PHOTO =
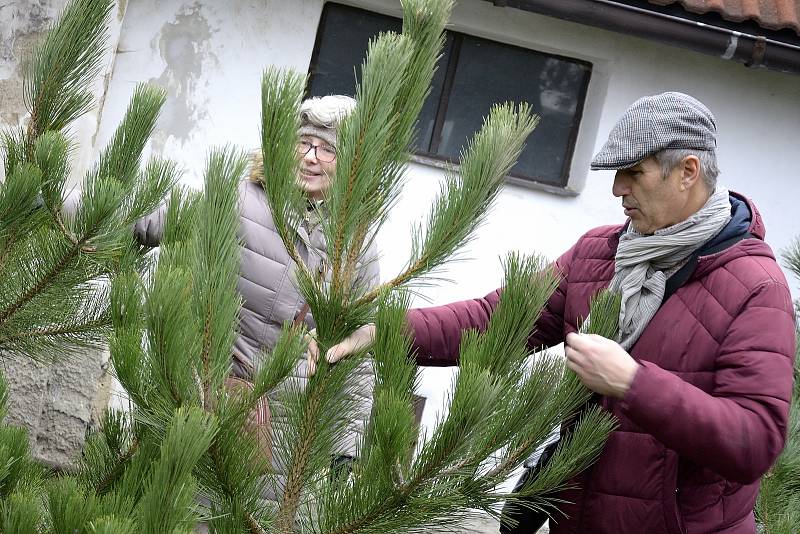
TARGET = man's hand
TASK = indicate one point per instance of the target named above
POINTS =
(601, 364)
(358, 340)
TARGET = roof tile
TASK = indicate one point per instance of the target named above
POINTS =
(769, 14)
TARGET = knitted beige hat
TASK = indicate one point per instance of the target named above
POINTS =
(321, 116)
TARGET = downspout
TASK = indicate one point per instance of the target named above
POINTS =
(750, 50)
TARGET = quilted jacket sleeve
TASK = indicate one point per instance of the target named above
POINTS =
(549, 328)
(738, 429)
(150, 229)
(369, 272)
(437, 330)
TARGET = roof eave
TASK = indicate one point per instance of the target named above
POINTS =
(750, 50)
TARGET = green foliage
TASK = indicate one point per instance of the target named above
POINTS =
(20, 513)
(58, 76)
(778, 505)
(498, 412)
(169, 493)
(280, 98)
(54, 251)
(171, 325)
(70, 507)
(61, 259)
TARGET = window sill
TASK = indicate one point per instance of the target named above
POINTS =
(566, 191)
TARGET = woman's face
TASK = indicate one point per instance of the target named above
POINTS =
(317, 166)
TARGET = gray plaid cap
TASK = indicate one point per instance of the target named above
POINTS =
(655, 123)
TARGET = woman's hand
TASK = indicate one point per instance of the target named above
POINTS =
(355, 342)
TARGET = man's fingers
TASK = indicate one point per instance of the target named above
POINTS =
(577, 341)
(575, 368)
(573, 355)
(571, 365)
(596, 338)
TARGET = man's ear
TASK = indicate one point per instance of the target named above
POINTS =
(690, 172)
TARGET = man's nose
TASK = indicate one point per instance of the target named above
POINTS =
(621, 185)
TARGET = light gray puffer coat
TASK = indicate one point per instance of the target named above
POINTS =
(267, 285)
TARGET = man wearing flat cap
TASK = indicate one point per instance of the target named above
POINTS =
(700, 376)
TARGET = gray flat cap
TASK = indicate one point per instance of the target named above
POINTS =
(654, 123)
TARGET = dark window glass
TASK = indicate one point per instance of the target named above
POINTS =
(341, 47)
(342, 43)
(490, 72)
(427, 116)
(472, 75)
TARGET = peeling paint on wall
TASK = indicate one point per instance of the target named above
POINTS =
(121, 5)
(185, 47)
(22, 18)
(13, 111)
(23, 24)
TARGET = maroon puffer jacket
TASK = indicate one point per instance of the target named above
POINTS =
(706, 414)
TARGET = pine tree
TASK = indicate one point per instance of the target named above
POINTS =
(778, 505)
(181, 455)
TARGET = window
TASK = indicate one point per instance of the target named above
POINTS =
(472, 75)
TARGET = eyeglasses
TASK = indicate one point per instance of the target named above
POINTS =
(325, 154)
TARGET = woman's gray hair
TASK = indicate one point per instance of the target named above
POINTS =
(672, 157)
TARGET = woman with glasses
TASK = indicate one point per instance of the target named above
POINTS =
(267, 273)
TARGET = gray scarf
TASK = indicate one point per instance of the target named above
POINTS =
(643, 263)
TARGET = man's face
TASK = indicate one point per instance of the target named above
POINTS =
(652, 201)
(316, 167)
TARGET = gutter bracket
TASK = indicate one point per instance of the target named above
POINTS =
(759, 50)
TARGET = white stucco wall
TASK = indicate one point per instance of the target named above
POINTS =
(210, 56)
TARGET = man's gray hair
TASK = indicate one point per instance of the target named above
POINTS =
(672, 157)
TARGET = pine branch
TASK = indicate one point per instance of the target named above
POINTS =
(295, 478)
(394, 502)
(218, 267)
(17, 199)
(48, 277)
(111, 525)
(355, 197)
(121, 157)
(791, 257)
(56, 331)
(69, 507)
(232, 473)
(280, 364)
(253, 526)
(281, 92)
(463, 202)
(116, 472)
(21, 513)
(314, 417)
(57, 79)
(169, 491)
(51, 155)
(368, 200)
(171, 336)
